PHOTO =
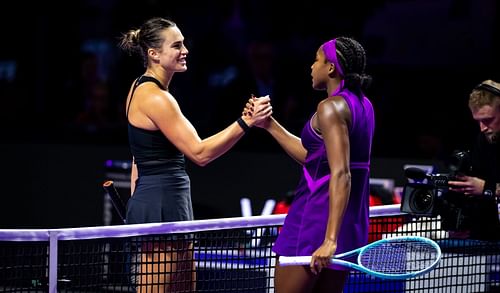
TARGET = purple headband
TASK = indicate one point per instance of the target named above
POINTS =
(330, 51)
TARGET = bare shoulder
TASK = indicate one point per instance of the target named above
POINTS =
(153, 98)
(334, 107)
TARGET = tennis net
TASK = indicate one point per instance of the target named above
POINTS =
(218, 255)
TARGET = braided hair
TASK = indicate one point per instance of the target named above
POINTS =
(352, 58)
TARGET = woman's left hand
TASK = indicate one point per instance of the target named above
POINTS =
(321, 258)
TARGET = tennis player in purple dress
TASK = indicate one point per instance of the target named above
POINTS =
(330, 211)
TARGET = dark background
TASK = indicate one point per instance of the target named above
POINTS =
(63, 82)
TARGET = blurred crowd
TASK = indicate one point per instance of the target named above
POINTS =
(68, 83)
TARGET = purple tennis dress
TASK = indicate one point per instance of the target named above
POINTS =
(305, 225)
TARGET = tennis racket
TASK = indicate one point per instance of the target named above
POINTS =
(116, 199)
(400, 258)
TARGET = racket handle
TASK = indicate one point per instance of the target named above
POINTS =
(115, 199)
(294, 260)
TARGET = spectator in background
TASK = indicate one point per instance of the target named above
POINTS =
(379, 195)
(284, 203)
(255, 77)
(482, 185)
(96, 116)
(258, 75)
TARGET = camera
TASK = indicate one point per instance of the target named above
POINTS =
(429, 194)
(423, 198)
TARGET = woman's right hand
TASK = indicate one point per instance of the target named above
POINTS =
(258, 111)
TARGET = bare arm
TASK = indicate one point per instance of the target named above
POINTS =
(133, 177)
(289, 142)
(333, 118)
(163, 111)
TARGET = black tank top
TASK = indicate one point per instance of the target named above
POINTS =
(152, 151)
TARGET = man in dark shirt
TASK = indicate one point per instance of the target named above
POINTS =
(482, 185)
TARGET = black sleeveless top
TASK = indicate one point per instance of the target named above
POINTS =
(153, 152)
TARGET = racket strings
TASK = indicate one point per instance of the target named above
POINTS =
(399, 257)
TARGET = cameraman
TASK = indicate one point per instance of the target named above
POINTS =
(482, 185)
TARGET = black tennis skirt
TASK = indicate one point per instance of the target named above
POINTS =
(161, 198)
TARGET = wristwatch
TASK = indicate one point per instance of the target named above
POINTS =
(488, 193)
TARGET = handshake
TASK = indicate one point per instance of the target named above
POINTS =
(257, 112)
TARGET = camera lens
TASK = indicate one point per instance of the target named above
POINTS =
(422, 200)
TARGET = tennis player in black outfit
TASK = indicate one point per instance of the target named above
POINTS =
(160, 137)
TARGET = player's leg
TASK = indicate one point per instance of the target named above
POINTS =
(184, 279)
(331, 281)
(156, 268)
(293, 279)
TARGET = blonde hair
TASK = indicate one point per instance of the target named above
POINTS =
(486, 93)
